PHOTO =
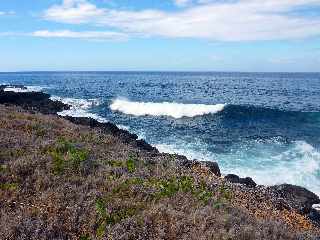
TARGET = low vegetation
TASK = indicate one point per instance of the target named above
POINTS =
(64, 181)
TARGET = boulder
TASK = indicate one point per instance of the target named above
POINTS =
(213, 166)
(236, 179)
(299, 198)
(314, 215)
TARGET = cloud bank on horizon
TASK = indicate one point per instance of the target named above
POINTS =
(242, 20)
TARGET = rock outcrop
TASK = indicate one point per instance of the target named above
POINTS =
(299, 198)
(236, 179)
(32, 101)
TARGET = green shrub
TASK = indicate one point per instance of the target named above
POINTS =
(131, 164)
(224, 197)
(9, 186)
(65, 155)
(102, 217)
(3, 168)
(203, 193)
(114, 163)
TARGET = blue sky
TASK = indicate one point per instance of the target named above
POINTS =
(186, 35)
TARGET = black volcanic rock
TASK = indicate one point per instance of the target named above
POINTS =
(111, 128)
(32, 101)
(314, 215)
(236, 179)
(214, 167)
(299, 198)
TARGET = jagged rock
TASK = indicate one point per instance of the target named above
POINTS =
(314, 215)
(111, 128)
(236, 179)
(142, 144)
(32, 101)
(214, 167)
(299, 198)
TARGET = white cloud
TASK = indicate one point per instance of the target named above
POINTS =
(94, 35)
(74, 11)
(242, 20)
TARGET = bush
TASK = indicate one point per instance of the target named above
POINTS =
(66, 155)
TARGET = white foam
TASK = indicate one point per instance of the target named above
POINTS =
(299, 164)
(123, 127)
(23, 90)
(80, 108)
(171, 109)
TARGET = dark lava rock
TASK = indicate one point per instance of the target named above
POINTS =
(112, 129)
(214, 167)
(32, 101)
(236, 179)
(298, 198)
(314, 215)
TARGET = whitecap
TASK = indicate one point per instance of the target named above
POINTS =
(171, 109)
(23, 89)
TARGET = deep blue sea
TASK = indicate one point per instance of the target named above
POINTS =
(263, 125)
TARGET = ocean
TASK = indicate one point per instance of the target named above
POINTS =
(262, 125)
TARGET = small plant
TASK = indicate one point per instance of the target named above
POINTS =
(225, 195)
(102, 217)
(131, 164)
(37, 128)
(3, 168)
(203, 194)
(125, 186)
(186, 184)
(168, 187)
(85, 237)
(9, 186)
(114, 163)
(65, 154)
(58, 162)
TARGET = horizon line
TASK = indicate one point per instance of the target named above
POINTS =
(151, 71)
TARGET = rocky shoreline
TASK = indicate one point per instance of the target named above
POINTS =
(283, 198)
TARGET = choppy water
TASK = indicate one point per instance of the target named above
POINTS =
(263, 125)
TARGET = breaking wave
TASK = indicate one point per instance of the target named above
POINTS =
(171, 109)
(80, 108)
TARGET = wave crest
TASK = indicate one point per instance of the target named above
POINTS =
(171, 109)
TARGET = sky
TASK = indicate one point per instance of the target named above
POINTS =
(160, 35)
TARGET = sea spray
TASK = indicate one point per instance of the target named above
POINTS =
(80, 108)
